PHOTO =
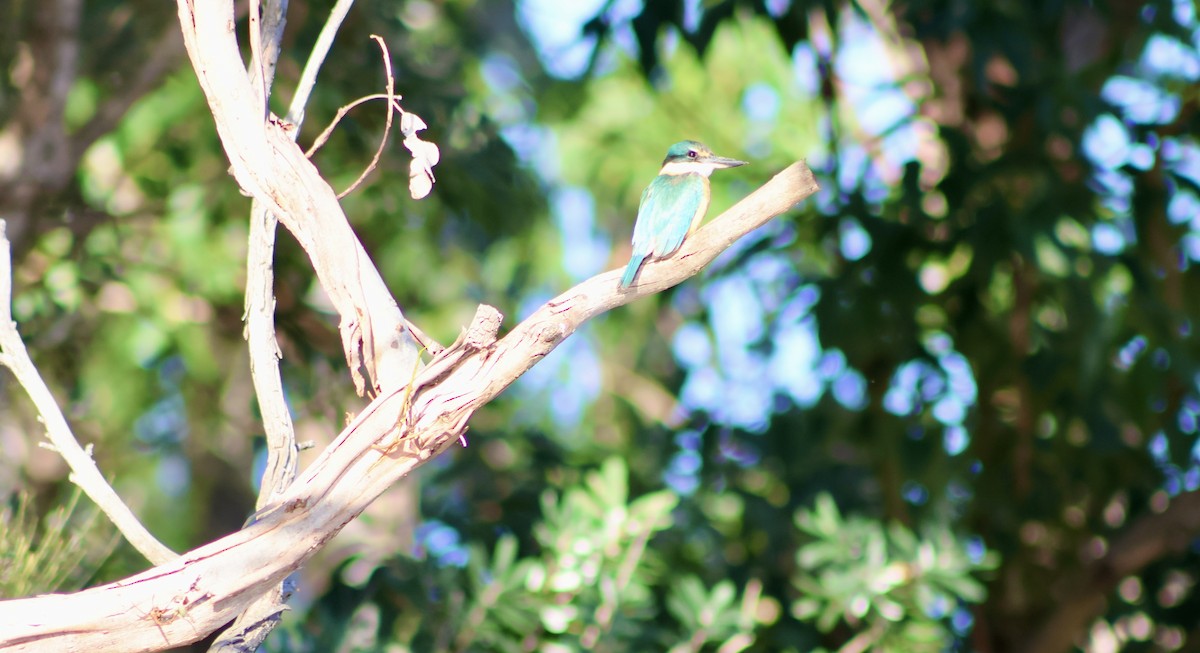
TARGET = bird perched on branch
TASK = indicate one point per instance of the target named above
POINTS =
(674, 203)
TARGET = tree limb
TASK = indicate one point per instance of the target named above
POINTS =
(282, 451)
(257, 621)
(269, 166)
(184, 600)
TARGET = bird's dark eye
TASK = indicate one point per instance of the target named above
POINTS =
(691, 154)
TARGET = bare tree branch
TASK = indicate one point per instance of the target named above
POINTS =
(282, 451)
(274, 171)
(274, 18)
(257, 621)
(83, 469)
(400, 430)
(283, 455)
(323, 137)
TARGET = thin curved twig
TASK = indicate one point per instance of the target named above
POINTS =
(387, 127)
(323, 137)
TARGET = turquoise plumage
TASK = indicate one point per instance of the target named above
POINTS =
(673, 204)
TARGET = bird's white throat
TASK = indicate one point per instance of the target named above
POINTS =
(687, 168)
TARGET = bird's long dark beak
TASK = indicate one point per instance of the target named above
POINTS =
(723, 162)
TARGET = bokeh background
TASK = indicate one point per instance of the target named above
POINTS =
(948, 404)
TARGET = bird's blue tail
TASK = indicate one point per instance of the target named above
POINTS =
(631, 270)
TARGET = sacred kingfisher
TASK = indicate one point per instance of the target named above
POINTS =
(674, 203)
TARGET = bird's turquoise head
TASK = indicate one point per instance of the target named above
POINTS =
(694, 157)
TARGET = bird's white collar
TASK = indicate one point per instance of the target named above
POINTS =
(687, 168)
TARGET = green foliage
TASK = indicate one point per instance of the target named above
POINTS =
(885, 582)
(710, 616)
(597, 581)
(589, 585)
(790, 22)
(615, 140)
(58, 551)
(499, 609)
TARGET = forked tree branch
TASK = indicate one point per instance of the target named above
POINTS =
(259, 618)
(269, 166)
(183, 601)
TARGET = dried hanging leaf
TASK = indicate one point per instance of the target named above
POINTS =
(425, 156)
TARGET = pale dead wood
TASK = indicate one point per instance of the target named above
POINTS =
(258, 74)
(264, 60)
(282, 452)
(252, 626)
(400, 430)
(342, 111)
(270, 167)
(283, 455)
(425, 154)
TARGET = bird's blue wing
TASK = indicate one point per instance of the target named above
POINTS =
(668, 206)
